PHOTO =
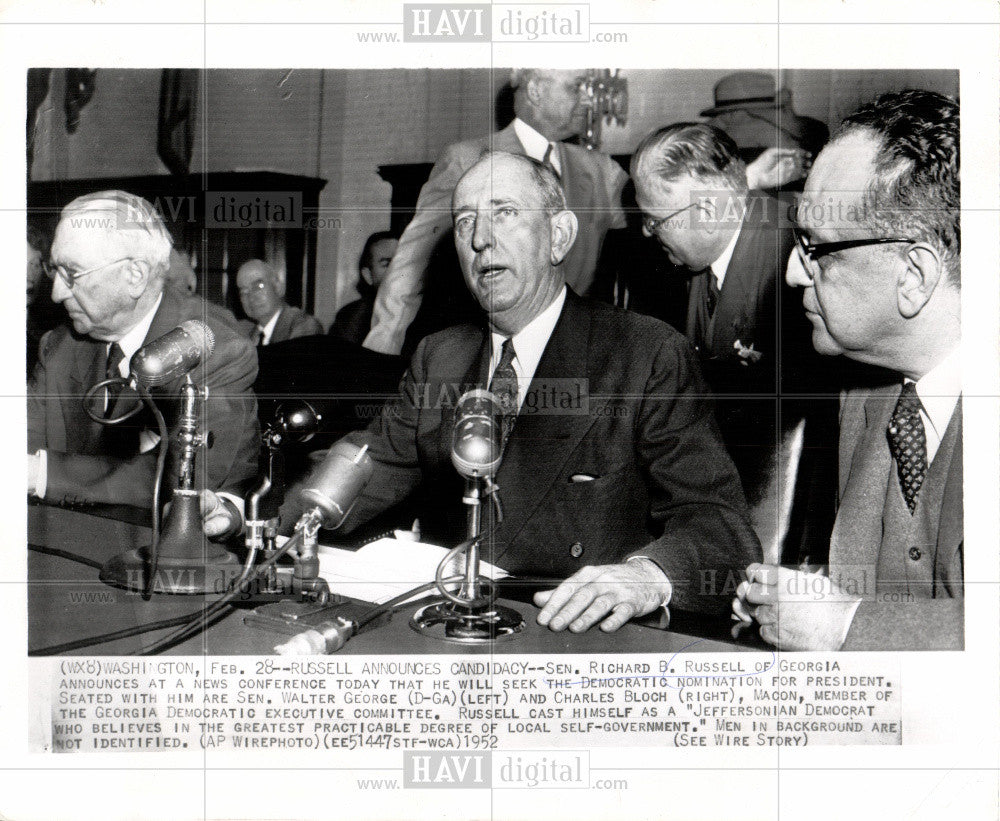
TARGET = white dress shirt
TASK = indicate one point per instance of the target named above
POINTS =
(536, 144)
(268, 328)
(529, 345)
(938, 390)
(721, 265)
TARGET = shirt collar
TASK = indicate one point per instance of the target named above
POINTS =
(530, 341)
(939, 390)
(535, 144)
(721, 265)
(267, 329)
(133, 340)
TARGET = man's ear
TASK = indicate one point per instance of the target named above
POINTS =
(138, 274)
(563, 228)
(916, 282)
(366, 275)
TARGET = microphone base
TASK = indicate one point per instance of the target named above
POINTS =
(446, 621)
(130, 571)
(187, 563)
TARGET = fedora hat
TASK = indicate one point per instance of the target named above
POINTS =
(747, 89)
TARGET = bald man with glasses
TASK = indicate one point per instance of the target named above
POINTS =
(108, 262)
(879, 260)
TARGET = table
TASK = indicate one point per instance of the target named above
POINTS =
(66, 601)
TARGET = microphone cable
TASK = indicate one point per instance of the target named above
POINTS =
(161, 458)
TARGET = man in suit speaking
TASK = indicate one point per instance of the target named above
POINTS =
(549, 107)
(879, 259)
(613, 481)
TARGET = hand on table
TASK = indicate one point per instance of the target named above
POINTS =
(795, 610)
(613, 593)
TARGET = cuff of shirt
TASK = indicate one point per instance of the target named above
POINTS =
(42, 477)
(670, 588)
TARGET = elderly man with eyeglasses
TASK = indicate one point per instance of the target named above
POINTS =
(731, 241)
(108, 263)
(879, 262)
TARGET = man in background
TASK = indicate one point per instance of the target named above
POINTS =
(273, 320)
(731, 243)
(354, 320)
(879, 259)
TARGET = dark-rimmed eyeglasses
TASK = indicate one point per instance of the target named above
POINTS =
(812, 251)
(69, 279)
(653, 224)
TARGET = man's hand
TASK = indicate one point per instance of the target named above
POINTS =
(34, 464)
(776, 167)
(795, 610)
(219, 518)
(624, 590)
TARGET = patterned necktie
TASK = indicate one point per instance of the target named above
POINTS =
(547, 160)
(115, 357)
(504, 386)
(908, 444)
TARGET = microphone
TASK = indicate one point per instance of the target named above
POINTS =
(336, 484)
(174, 354)
(476, 442)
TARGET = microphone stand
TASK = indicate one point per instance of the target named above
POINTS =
(469, 617)
(186, 562)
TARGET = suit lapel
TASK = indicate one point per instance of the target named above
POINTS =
(578, 183)
(166, 318)
(283, 327)
(857, 531)
(738, 299)
(950, 526)
(542, 441)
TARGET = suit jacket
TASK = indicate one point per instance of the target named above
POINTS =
(925, 623)
(88, 462)
(758, 310)
(292, 323)
(749, 302)
(593, 185)
(630, 409)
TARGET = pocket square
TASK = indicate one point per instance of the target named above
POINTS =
(581, 477)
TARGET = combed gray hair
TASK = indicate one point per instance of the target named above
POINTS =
(698, 149)
(129, 222)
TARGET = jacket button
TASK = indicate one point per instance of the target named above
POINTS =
(915, 553)
(576, 550)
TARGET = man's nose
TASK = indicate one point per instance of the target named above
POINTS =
(797, 273)
(60, 293)
(482, 233)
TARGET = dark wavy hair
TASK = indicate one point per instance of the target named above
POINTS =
(916, 189)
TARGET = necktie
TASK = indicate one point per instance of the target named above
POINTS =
(258, 336)
(115, 357)
(547, 160)
(908, 444)
(712, 298)
(504, 386)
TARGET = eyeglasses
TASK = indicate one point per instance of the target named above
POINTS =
(812, 251)
(653, 224)
(52, 271)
